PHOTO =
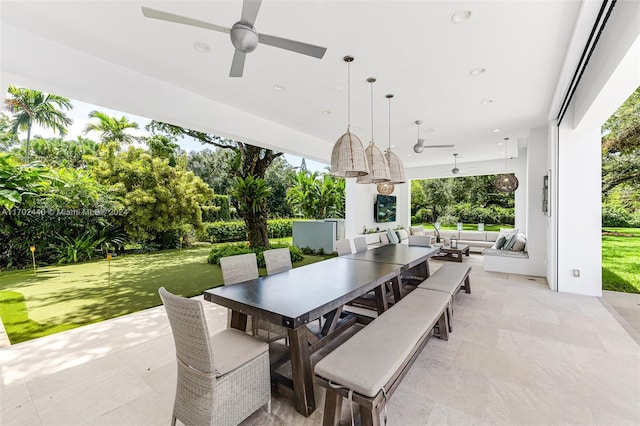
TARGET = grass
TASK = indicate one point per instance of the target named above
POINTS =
(63, 297)
(621, 259)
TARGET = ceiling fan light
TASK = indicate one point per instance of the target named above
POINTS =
(348, 157)
(417, 148)
(506, 183)
(378, 168)
(396, 169)
(385, 188)
(455, 170)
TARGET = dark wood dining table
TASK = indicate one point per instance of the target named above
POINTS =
(299, 296)
(408, 257)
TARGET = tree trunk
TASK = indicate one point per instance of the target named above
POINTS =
(256, 224)
(26, 145)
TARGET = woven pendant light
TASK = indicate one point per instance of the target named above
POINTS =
(396, 169)
(507, 182)
(385, 188)
(378, 168)
(347, 158)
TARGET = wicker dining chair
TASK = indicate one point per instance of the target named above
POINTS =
(343, 247)
(361, 244)
(277, 260)
(222, 379)
(244, 267)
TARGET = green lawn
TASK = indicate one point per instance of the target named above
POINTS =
(621, 259)
(63, 297)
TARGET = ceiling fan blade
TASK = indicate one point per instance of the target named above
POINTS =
(294, 46)
(178, 19)
(250, 10)
(237, 66)
(438, 146)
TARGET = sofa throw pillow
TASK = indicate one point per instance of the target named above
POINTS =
(510, 240)
(500, 242)
(393, 238)
(383, 238)
(521, 242)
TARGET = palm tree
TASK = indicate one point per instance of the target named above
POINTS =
(112, 129)
(32, 106)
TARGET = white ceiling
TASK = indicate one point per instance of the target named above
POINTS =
(411, 47)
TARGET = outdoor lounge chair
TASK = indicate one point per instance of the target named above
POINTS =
(222, 379)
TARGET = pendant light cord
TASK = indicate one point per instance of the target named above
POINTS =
(389, 149)
(348, 95)
(372, 111)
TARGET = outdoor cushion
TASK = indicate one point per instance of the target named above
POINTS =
(402, 234)
(420, 240)
(492, 235)
(370, 358)
(520, 243)
(232, 348)
(447, 279)
(473, 236)
(393, 238)
(416, 230)
(510, 240)
(383, 238)
(499, 242)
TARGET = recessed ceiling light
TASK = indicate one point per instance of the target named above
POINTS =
(487, 101)
(393, 146)
(278, 88)
(496, 130)
(357, 128)
(500, 143)
(408, 155)
(477, 71)
(429, 130)
(338, 89)
(201, 47)
(461, 16)
(325, 112)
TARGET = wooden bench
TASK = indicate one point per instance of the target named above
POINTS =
(449, 279)
(369, 366)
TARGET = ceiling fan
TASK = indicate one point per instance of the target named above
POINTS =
(455, 169)
(420, 146)
(244, 36)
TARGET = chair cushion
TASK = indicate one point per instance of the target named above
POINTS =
(369, 359)
(233, 348)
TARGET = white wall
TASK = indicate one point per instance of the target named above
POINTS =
(612, 74)
(359, 203)
(579, 212)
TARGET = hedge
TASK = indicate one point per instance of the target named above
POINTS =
(223, 232)
(234, 249)
(217, 209)
(617, 217)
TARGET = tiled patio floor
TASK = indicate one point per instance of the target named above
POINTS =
(519, 354)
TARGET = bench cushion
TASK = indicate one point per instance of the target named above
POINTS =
(447, 279)
(369, 359)
(473, 236)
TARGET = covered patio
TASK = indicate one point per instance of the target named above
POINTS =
(518, 354)
(533, 347)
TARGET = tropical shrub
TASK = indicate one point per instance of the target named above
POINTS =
(225, 250)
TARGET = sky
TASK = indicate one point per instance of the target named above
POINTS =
(80, 116)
